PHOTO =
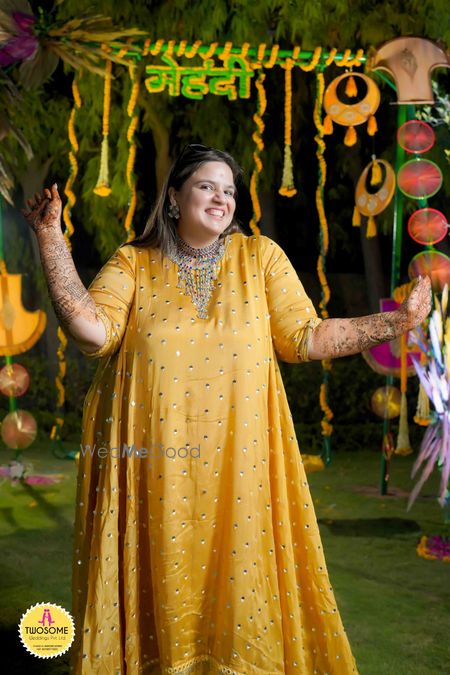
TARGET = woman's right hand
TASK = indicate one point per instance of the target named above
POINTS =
(45, 210)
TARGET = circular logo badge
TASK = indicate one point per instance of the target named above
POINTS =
(46, 630)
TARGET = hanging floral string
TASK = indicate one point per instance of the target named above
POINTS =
(287, 188)
(261, 105)
(131, 178)
(103, 189)
(74, 147)
(327, 428)
(55, 434)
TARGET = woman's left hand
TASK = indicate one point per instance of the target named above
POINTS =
(416, 307)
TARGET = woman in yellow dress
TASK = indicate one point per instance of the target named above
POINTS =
(196, 546)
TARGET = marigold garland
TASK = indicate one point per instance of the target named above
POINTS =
(55, 434)
(259, 147)
(287, 188)
(103, 189)
(131, 179)
(327, 428)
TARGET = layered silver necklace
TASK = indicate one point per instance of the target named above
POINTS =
(197, 271)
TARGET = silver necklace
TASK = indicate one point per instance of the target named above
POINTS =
(197, 271)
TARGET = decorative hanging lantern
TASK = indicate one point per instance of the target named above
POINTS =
(14, 380)
(371, 204)
(351, 114)
(19, 429)
(386, 402)
(416, 137)
(103, 188)
(427, 226)
(433, 264)
(19, 328)
(410, 61)
(419, 178)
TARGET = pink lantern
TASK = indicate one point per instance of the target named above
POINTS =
(427, 226)
(433, 264)
(415, 136)
(419, 178)
(19, 429)
(14, 380)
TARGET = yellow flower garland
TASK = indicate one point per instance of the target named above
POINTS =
(287, 188)
(131, 180)
(257, 138)
(327, 428)
(103, 189)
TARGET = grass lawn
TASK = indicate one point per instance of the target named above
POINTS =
(395, 605)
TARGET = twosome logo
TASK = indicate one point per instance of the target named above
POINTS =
(46, 630)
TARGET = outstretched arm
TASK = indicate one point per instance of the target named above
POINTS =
(74, 307)
(342, 337)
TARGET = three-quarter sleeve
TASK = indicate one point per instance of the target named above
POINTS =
(292, 314)
(113, 292)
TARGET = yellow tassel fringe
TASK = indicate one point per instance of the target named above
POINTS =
(350, 137)
(371, 228)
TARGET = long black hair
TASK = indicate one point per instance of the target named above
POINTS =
(160, 229)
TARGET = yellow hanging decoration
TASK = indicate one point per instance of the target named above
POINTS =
(261, 105)
(350, 137)
(55, 434)
(327, 428)
(352, 114)
(403, 442)
(103, 189)
(350, 88)
(287, 188)
(328, 125)
(131, 180)
(372, 126)
(371, 204)
(71, 198)
(371, 228)
(376, 175)
(422, 416)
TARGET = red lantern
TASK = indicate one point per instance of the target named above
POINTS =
(19, 429)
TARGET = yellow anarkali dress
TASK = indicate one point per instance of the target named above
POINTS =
(197, 548)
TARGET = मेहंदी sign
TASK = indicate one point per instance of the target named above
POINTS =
(233, 79)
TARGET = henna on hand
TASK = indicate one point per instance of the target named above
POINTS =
(342, 337)
(69, 297)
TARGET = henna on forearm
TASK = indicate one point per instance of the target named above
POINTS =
(342, 337)
(69, 297)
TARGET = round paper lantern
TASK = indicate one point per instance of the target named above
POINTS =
(433, 264)
(427, 226)
(19, 429)
(14, 380)
(386, 402)
(415, 136)
(419, 178)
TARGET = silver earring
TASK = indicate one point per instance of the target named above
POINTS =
(174, 211)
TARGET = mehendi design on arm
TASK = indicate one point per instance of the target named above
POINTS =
(69, 297)
(333, 338)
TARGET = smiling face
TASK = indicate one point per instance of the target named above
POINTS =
(207, 203)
